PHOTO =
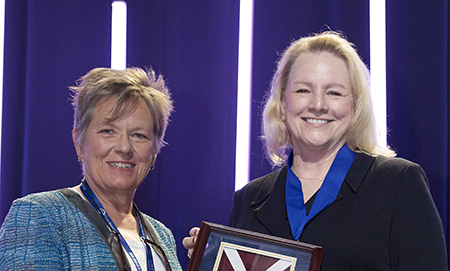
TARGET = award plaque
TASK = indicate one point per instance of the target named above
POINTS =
(222, 248)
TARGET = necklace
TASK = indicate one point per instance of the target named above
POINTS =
(311, 179)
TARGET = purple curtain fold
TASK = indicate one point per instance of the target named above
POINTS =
(417, 51)
(194, 45)
(47, 46)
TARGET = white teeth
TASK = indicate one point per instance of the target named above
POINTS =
(316, 121)
(121, 165)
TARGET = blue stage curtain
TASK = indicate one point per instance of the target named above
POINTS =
(194, 44)
(48, 44)
(417, 90)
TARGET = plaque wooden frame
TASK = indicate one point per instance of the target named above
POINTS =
(215, 241)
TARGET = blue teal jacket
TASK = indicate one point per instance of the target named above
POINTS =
(46, 231)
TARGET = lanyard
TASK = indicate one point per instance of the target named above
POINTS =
(95, 202)
(327, 193)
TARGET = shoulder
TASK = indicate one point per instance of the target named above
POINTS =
(48, 198)
(38, 211)
(388, 177)
(56, 233)
(44, 209)
(394, 162)
(258, 190)
(49, 201)
(386, 166)
(264, 183)
(397, 167)
(385, 178)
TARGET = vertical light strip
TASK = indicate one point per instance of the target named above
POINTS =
(378, 65)
(119, 35)
(244, 93)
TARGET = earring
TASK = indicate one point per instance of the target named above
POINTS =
(80, 160)
(283, 117)
(152, 165)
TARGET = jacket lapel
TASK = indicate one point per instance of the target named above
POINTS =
(358, 171)
(153, 237)
(103, 230)
(270, 206)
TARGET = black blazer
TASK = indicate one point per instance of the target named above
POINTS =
(382, 219)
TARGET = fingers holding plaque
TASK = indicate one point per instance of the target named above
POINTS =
(222, 248)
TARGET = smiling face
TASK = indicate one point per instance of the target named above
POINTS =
(318, 102)
(117, 155)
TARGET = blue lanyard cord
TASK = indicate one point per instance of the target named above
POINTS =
(95, 202)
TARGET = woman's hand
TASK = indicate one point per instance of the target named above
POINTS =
(189, 242)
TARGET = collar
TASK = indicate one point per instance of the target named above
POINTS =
(326, 195)
(271, 195)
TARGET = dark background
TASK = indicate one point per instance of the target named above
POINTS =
(194, 44)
